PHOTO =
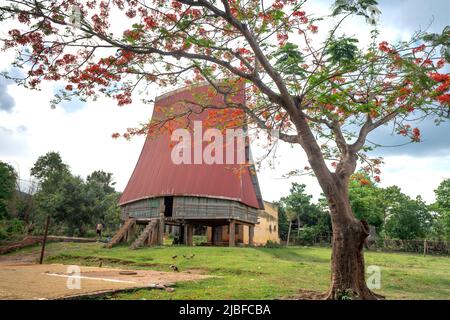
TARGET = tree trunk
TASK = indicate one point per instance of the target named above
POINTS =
(349, 234)
(289, 233)
(347, 261)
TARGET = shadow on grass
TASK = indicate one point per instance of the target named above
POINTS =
(296, 254)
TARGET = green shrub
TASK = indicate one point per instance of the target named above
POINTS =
(308, 235)
(3, 232)
(199, 240)
(12, 229)
(271, 244)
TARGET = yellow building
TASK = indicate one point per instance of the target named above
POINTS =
(265, 230)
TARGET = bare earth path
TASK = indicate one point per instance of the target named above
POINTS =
(20, 278)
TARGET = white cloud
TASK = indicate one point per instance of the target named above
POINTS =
(83, 137)
(414, 175)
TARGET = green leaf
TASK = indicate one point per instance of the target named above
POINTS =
(342, 51)
(288, 59)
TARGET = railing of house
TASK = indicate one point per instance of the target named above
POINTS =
(193, 208)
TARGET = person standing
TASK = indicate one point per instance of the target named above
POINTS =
(99, 229)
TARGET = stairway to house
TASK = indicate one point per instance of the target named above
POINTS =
(148, 233)
(122, 233)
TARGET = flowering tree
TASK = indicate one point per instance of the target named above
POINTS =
(324, 96)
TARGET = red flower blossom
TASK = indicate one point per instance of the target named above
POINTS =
(416, 134)
(427, 62)
(131, 13)
(364, 182)
(150, 22)
(384, 46)
(176, 5)
(419, 48)
(443, 87)
(439, 77)
(278, 5)
(444, 99)
(171, 16)
(243, 51)
(313, 28)
(298, 13)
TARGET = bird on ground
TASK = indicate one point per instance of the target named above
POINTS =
(174, 257)
(174, 268)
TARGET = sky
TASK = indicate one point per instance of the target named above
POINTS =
(81, 131)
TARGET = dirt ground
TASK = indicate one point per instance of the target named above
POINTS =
(56, 281)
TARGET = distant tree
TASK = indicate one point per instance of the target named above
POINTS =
(105, 179)
(366, 200)
(442, 208)
(67, 203)
(291, 216)
(299, 203)
(443, 195)
(408, 219)
(111, 216)
(8, 179)
(102, 198)
(283, 223)
(47, 165)
(300, 209)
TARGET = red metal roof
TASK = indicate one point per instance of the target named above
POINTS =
(156, 175)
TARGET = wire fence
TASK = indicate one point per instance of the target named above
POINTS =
(434, 247)
(417, 246)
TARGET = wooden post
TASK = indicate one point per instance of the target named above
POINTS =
(41, 259)
(161, 229)
(425, 247)
(231, 234)
(129, 232)
(251, 233)
(185, 234)
(190, 232)
(213, 235)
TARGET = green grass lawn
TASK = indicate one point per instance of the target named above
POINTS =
(259, 273)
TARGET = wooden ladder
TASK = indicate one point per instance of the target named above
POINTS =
(147, 234)
(121, 233)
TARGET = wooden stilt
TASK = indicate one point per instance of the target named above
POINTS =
(213, 235)
(161, 230)
(251, 233)
(130, 231)
(185, 234)
(190, 234)
(232, 234)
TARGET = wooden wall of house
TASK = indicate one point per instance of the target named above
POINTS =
(222, 234)
(266, 229)
(187, 207)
